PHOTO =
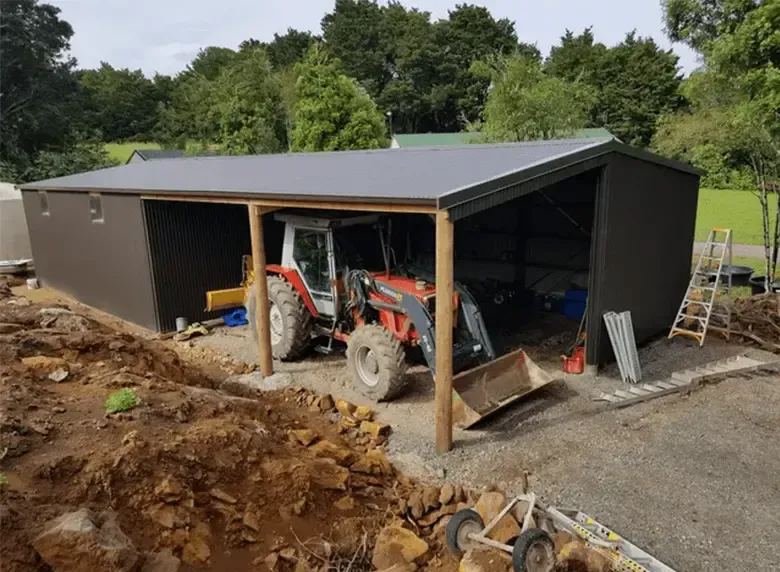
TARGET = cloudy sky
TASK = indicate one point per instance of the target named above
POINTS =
(164, 35)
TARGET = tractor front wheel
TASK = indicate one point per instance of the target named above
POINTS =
(377, 362)
(290, 319)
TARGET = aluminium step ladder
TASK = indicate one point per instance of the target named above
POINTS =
(625, 556)
(702, 308)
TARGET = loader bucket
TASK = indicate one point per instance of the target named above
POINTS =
(485, 389)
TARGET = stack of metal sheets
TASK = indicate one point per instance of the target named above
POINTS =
(621, 334)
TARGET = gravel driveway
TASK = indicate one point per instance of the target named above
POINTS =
(694, 480)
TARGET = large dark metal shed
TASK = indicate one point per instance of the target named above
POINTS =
(145, 240)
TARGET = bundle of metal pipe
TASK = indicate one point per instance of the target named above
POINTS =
(621, 335)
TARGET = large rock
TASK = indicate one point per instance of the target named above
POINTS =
(483, 559)
(415, 504)
(170, 490)
(397, 546)
(163, 561)
(44, 363)
(373, 463)
(81, 540)
(430, 498)
(488, 506)
(304, 436)
(577, 555)
(326, 474)
(447, 494)
(328, 449)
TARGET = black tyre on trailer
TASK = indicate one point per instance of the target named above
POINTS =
(463, 523)
(291, 321)
(533, 551)
(377, 362)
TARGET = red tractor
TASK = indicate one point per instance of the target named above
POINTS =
(322, 288)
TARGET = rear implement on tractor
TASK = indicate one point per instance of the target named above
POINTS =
(322, 288)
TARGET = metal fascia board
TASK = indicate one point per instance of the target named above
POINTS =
(657, 159)
(525, 187)
(478, 190)
(242, 195)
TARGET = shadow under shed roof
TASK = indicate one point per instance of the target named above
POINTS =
(442, 177)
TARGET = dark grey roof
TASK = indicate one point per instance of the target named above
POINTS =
(442, 176)
(157, 154)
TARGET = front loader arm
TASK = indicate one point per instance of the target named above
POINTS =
(426, 328)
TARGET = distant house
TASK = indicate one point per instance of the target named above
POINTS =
(466, 137)
(155, 154)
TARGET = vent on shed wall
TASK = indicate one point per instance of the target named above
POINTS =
(196, 247)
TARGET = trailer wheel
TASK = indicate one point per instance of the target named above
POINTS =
(463, 523)
(377, 361)
(534, 551)
(290, 319)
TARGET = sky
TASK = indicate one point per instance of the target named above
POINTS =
(164, 35)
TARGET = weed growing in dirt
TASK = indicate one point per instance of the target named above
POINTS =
(3, 479)
(122, 400)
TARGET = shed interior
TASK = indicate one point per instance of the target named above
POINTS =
(526, 261)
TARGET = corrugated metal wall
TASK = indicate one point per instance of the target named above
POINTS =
(102, 264)
(643, 252)
(196, 247)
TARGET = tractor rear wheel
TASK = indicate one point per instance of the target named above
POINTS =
(377, 362)
(291, 321)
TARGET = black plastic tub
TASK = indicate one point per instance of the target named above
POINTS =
(740, 275)
(757, 285)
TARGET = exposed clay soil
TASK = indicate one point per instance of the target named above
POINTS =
(188, 468)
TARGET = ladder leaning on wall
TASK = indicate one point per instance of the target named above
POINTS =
(703, 307)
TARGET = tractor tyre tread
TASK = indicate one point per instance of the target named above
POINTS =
(296, 317)
(390, 356)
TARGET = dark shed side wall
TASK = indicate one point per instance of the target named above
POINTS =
(645, 225)
(197, 247)
(102, 264)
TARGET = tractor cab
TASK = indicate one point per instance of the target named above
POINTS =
(323, 247)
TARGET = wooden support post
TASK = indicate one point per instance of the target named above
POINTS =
(262, 310)
(444, 324)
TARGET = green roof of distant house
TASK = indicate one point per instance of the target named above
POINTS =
(466, 137)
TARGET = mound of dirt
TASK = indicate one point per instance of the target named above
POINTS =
(198, 472)
(192, 474)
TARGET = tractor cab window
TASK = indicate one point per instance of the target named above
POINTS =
(310, 252)
(357, 247)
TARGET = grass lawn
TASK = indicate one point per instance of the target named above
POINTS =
(737, 210)
(122, 151)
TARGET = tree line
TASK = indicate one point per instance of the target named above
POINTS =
(730, 124)
(374, 69)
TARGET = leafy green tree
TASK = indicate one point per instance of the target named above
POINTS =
(246, 105)
(78, 158)
(41, 102)
(122, 103)
(735, 99)
(209, 62)
(698, 23)
(332, 112)
(577, 57)
(636, 82)
(525, 103)
(354, 34)
(288, 49)
(187, 115)
(415, 69)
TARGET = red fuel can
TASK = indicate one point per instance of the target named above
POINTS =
(575, 363)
